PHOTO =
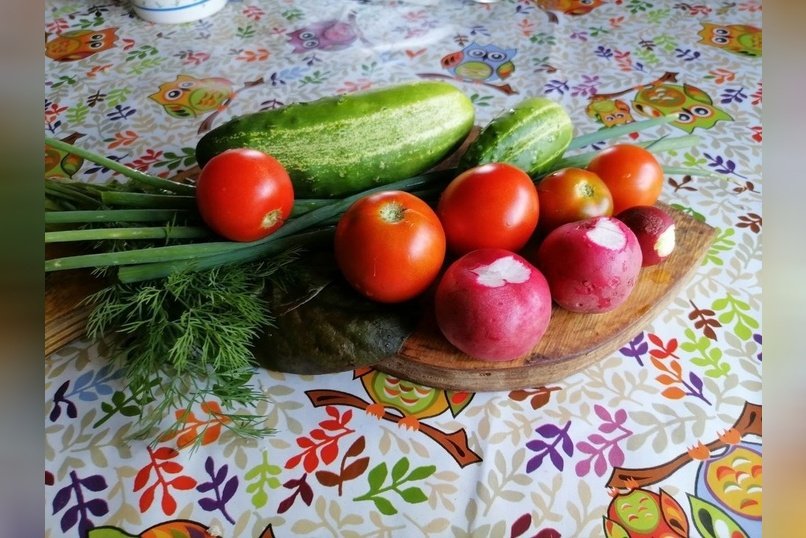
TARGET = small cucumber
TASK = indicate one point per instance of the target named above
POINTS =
(340, 145)
(533, 136)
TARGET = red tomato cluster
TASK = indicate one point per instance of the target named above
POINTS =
(391, 246)
(380, 241)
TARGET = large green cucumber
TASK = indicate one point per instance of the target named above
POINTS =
(345, 144)
(533, 135)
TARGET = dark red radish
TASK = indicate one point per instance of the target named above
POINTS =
(654, 229)
(493, 305)
(591, 265)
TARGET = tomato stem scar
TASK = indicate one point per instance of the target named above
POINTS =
(272, 217)
(392, 212)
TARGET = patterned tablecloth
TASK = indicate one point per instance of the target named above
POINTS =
(679, 403)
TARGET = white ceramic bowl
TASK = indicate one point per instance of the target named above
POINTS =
(176, 11)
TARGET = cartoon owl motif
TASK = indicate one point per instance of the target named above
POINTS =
(739, 39)
(480, 62)
(569, 7)
(175, 528)
(411, 400)
(609, 112)
(732, 480)
(79, 44)
(60, 163)
(330, 35)
(694, 107)
(641, 513)
(188, 97)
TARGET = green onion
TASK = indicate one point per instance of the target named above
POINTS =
(663, 144)
(151, 271)
(699, 172)
(151, 232)
(306, 205)
(114, 215)
(147, 200)
(146, 179)
(620, 130)
(250, 250)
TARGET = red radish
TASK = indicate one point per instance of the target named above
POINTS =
(591, 265)
(654, 229)
(493, 304)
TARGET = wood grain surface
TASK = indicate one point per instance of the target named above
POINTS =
(65, 312)
(572, 341)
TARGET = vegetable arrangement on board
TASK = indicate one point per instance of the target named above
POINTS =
(300, 254)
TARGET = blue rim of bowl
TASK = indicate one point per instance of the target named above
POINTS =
(178, 8)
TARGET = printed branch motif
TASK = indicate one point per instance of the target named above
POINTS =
(733, 310)
(79, 512)
(549, 448)
(664, 359)
(537, 397)
(705, 320)
(161, 466)
(346, 471)
(399, 476)
(710, 358)
(130, 406)
(603, 451)
(222, 488)
(301, 489)
(748, 423)
(454, 443)
(194, 429)
(323, 442)
(636, 348)
(262, 476)
(87, 387)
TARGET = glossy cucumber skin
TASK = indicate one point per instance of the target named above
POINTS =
(533, 135)
(340, 145)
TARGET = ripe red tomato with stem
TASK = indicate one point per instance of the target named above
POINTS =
(244, 194)
(490, 206)
(632, 173)
(390, 246)
(572, 194)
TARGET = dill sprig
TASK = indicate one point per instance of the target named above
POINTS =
(186, 339)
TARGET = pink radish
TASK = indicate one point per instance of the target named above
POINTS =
(493, 305)
(654, 229)
(591, 265)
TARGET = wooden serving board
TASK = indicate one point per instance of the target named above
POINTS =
(572, 341)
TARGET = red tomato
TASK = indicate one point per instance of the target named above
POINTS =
(390, 246)
(572, 194)
(632, 174)
(490, 206)
(244, 194)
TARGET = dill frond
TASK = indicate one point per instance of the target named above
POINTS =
(186, 339)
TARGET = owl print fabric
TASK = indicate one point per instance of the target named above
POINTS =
(663, 437)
